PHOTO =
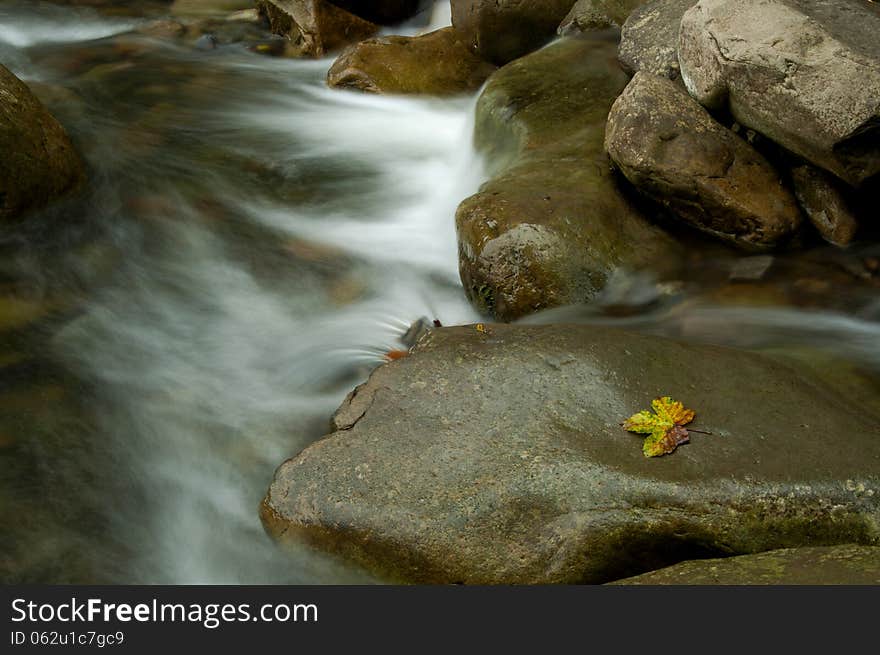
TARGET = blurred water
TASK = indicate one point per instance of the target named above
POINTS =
(269, 241)
(24, 24)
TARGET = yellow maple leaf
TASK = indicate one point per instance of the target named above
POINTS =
(665, 427)
(672, 411)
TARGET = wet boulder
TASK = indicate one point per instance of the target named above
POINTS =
(588, 15)
(496, 455)
(438, 63)
(804, 73)
(503, 30)
(552, 223)
(39, 162)
(670, 148)
(315, 27)
(825, 202)
(831, 565)
(649, 38)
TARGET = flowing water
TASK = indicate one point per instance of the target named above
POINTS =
(249, 245)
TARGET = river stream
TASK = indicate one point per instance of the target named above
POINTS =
(249, 246)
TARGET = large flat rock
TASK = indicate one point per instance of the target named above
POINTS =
(496, 456)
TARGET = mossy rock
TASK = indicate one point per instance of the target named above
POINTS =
(553, 222)
(496, 456)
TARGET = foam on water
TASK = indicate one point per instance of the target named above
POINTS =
(51, 24)
(425, 166)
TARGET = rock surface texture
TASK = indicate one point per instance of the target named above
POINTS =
(503, 30)
(670, 148)
(824, 200)
(805, 73)
(315, 27)
(496, 455)
(587, 15)
(552, 224)
(832, 565)
(649, 38)
(438, 63)
(38, 162)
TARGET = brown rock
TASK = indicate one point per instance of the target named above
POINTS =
(824, 200)
(649, 38)
(383, 12)
(588, 15)
(503, 30)
(673, 151)
(38, 162)
(438, 63)
(207, 7)
(315, 27)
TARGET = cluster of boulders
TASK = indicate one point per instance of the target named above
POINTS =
(437, 63)
(484, 35)
(494, 453)
(805, 76)
(748, 121)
